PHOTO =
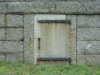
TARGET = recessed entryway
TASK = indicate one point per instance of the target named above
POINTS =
(51, 35)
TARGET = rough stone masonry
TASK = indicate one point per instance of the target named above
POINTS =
(17, 23)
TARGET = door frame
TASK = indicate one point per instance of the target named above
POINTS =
(54, 17)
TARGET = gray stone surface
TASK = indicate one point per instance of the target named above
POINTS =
(2, 57)
(28, 39)
(86, 21)
(27, 7)
(3, 7)
(88, 59)
(88, 47)
(12, 0)
(1, 46)
(1, 20)
(14, 34)
(11, 51)
(18, 57)
(78, 7)
(2, 33)
(88, 34)
(14, 20)
(53, 0)
(11, 47)
(58, 7)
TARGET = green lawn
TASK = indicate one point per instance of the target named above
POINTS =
(26, 69)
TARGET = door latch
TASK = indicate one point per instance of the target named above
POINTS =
(39, 43)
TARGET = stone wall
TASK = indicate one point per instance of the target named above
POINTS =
(16, 37)
(49, 0)
(11, 37)
(88, 39)
(50, 7)
(17, 28)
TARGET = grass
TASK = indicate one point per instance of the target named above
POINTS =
(26, 69)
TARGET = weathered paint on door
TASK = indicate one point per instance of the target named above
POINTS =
(52, 42)
(38, 39)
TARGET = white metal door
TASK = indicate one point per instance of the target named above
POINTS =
(53, 40)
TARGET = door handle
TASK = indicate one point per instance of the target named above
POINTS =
(39, 41)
